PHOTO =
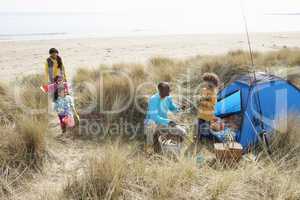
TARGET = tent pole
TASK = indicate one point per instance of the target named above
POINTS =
(253, 82)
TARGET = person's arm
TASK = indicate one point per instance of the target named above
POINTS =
(76, 113)
(56, 107)
(205, 105)
(172, 106)
(68, 88)
(73, 107)
(204, 95)
(153, 112)
(47, 72)
(207, 98)
(214, 99)
(64, 73)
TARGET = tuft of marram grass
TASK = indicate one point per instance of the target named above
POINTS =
(30, 97)
(284, 56)
(285, 142)
(165, 69)
(164, 178)
(110, 97)
(103, 178)
(22, 145)
(120, 174)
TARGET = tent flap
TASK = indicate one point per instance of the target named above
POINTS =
(229, 105)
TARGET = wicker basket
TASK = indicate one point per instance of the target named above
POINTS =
(228, 152)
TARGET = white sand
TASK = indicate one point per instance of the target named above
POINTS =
(24, 57)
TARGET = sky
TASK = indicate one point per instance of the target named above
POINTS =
(223, 14)
(203, 6)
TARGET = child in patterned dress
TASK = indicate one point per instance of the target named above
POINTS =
(64, 106)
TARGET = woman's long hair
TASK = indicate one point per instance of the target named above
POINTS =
(55, 96)
(59, 62)
(58, 59)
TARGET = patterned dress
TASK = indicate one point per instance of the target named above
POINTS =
(63, 106)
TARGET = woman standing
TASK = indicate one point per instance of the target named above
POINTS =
(54, 67)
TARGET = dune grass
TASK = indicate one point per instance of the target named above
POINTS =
(30, 98)
(22, 145)
(108, 97)
(122, 173)
(111, 88)
(165, 69)
(103, 177)
(285, 145)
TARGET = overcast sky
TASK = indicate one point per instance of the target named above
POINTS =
(202, 6)
(181, 13)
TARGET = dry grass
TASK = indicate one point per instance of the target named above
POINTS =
(109, 96)
(30, 98)
(161, 178)
(22, 145)
(8, 107)
(121, 173)
(286, 143)
(165, 69)
(103, 177)
(285, 56)
(236, 63)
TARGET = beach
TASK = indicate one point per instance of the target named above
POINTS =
(24, 57)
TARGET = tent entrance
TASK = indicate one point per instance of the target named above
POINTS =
(229, 105)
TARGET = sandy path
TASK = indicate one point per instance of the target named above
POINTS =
(69, 158)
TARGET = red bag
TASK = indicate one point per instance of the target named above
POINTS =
(69, 121)
(50, 88)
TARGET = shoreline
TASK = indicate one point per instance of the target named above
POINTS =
(71, 36)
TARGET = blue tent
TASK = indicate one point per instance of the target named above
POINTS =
(261, 103)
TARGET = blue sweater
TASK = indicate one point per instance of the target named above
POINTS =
(158, 109)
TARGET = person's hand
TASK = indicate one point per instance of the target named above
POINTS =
(172, 124)
(217, 126)
(77, 116)
(183, 106)
(216, 119)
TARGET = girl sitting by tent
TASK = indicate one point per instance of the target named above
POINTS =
(64, 106)
(208, 99)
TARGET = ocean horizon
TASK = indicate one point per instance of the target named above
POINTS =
(65, 25)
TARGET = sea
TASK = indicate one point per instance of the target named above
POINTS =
(61, 25)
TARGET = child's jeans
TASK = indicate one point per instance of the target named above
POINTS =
(203, 128)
